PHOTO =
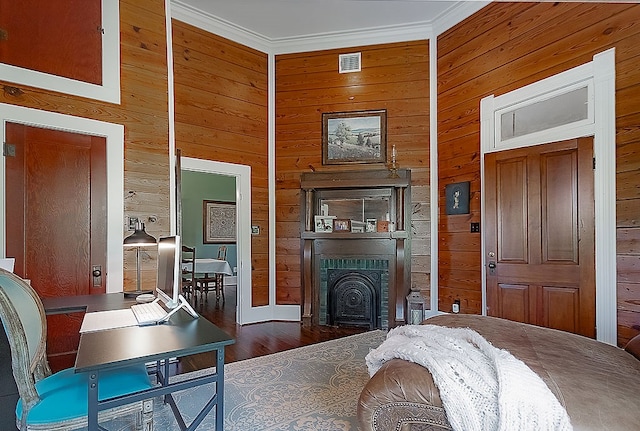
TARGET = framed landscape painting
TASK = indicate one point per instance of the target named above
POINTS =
(354, 137)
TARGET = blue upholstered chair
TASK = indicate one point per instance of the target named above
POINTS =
(57, 401)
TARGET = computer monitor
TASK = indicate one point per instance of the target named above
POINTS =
(168, 281)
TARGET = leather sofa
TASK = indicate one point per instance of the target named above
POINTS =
(598, 384)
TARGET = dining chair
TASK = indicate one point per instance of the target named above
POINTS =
(188, 271)
(222, 252)
(58, 402)
(215, 281)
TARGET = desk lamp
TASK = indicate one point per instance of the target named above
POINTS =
(139, 238)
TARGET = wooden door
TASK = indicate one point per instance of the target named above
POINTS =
(55, 219)
(540, 235)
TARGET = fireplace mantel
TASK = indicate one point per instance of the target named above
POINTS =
(359, 197)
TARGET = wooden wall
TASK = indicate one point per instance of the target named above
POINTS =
(143, 112)
(394, 77)
(506, 46)
(221, 114)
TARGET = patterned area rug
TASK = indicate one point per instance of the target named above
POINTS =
(314, 388)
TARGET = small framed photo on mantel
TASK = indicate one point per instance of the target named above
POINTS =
(341, 225)
(372, 225)
(324, 223)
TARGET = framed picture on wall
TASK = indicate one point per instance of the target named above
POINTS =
(354, 137)
(218, 222)
(457, 198)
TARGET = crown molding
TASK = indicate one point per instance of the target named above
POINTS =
(315, 42)
(215, 25)
(360, 37)
(456, 14)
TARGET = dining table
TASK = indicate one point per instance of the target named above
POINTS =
(217, 268)
(209, 266)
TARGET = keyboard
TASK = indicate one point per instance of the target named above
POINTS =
(148, 313)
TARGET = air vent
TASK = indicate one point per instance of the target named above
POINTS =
(348, 63)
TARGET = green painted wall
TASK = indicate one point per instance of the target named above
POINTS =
(197, 187)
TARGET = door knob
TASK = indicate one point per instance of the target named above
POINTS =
(492, 268)
(97, 275)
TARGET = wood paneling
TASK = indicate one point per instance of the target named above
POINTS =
(221, 115)
(394, 77)
(220, 110)
(221, 93)
(505, 46)
(143, 113)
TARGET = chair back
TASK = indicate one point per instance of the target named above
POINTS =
(188, 271)
(25, 324)
(222, 252)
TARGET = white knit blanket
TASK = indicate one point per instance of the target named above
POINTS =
(482, 388)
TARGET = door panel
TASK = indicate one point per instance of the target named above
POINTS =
(512, 214)
(561, 308)
(62, 38)
(56, 224)
(540, 235)
(514, 300)
(559, 204)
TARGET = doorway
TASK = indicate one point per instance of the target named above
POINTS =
(199, 170)
(539, 233)
(59, 147)
(599, 122)
(114, 134)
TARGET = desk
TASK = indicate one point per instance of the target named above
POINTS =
(115, 348)
(209, 266)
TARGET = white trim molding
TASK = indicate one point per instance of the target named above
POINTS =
(197, 18)
(242, 173)
(433, 170)
(114, 134)
(109, 91)
(331, 40)
(599, 75)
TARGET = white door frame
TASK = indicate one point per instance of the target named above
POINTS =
(242, 174)
(114, 135)
(599, 73)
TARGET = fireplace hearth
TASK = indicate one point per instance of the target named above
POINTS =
(354, 292)
(354, 298)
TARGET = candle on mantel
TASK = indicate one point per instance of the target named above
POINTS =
(393, 154)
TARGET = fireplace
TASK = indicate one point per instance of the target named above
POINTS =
(358, 277)
(354, 297)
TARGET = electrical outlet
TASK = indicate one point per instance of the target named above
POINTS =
(455, 307)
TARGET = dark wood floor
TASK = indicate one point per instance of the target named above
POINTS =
(256, 339)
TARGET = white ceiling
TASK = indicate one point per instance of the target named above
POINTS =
(278, 20)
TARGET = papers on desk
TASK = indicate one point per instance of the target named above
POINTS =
(111, 319)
